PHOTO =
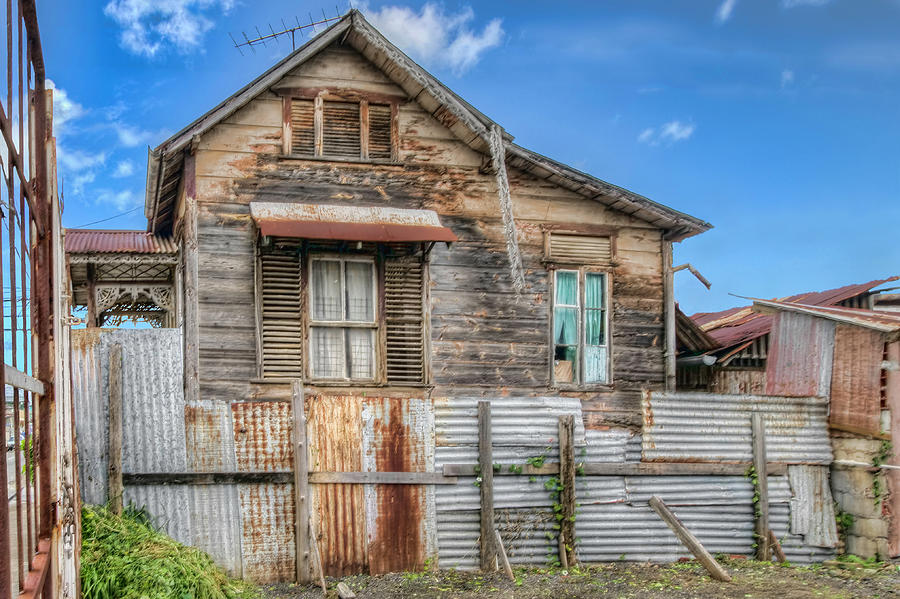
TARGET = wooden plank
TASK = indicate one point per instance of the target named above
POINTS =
(486, 465)
(567, 494)
(762, 486)
(504, 560)
(115, 486)
(35, 580)
(669, 308)
(190, 247)
(301, 484)
(18, 379)
(382, 478)
(689, 540)
(622, 469)
(206, 478)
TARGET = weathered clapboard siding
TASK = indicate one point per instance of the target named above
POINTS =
(483, 337)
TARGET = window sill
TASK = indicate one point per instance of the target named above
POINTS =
(342, 383)
(378, 161)
(586, 387)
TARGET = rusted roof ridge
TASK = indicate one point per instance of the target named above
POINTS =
(117, 241)
(885, 322)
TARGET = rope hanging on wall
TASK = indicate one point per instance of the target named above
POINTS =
(509, 224)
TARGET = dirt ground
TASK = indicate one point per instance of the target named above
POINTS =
(638, 581)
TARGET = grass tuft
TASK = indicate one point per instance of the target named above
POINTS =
(125, 557)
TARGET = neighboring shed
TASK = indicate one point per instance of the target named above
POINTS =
(742, 340)
(852, 357)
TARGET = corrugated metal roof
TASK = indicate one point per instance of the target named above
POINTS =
(741, 324)
(84, 241)
(886, 322)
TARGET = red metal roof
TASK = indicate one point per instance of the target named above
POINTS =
(85, 241)
(349, 223)
(741, 324)
(887, 322)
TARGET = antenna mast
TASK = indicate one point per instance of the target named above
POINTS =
(273, 35)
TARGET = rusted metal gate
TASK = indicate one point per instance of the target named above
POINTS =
(38, 528)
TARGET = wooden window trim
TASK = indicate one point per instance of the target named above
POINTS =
(319, 95)
(575, 229)
(582, 270)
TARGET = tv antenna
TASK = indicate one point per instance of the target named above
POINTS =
(291, 30)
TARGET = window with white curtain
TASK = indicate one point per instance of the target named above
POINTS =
(342, 318)
(580, 335)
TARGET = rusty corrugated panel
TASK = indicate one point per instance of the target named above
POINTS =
(397, 437)
(800, 354)
(267, 536)
(886, 322)
(80, 241)
(262, 436)
(355, 223)
(210, 441)
(738, 325)
(334, 431)
(856, 378)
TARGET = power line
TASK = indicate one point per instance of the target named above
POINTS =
(103, 220)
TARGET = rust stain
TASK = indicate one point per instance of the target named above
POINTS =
(262, 436)
(204, 429)
(856, 378)
(267, 533)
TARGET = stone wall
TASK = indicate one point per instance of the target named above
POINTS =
(857, 493)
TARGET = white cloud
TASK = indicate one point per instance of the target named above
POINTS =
(150, 25)
(131, 136)
(795, 3)
(434, 36)
(120, 200)
(787, 77)
(64, 108)
(667, 133)
(723, 13)
(124, 168)
(78, 160)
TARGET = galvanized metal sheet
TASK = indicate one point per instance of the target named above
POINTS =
(800, 353)
(812, 508)
(690, 490)
(209, 436)
(267, 532)
(716, 428)
(91, 416)
(612, 445)
(262, 436)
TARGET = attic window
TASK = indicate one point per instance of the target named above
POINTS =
(578, 249)
(341, 128)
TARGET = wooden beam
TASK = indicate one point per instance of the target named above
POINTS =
(207, 478)
(486, 464)
(301, 484)
(191, 285)
(567, 494)
(18, 379)
(669, 308)
(92, 316)
(382, 478)
(622, 469)
(115, 486)
(762, 486)
(689, 540)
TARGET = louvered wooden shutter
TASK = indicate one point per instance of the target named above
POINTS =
(379, 131)
(580, 249)
(404, 321)
(340, 129)
(303, 133)
(282, 333)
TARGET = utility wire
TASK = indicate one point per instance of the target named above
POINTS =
(103, 220)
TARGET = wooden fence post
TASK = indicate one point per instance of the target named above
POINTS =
(486, 465)
(115, 488)
(760, 464)
(567, 494)
(301, 484)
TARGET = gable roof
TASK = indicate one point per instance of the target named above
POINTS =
(742, 324)
(165, 163)
(884, 322)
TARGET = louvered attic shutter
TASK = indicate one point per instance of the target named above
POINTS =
(379, 131)
(580, 249)
(282, 334)
(404, 321)
(340, 129)
(303, 134)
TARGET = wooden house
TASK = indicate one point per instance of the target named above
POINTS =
(348, 221)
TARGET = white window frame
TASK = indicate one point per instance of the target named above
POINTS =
(344, 325)
(578, 376)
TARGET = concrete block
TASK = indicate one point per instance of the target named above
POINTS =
(857, 450)
(851, 480)
(871, 528)
(866, 548)
(858, 505)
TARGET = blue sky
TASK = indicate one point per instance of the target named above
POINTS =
(775, 120)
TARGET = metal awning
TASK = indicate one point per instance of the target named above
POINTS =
(348, 223)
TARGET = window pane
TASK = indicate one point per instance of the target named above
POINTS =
(567, 287)
(594, 327)
(565, 326)
(565, 363)
(362, 343)
(326, 285)
(328, 352)
(359, 291)
(594, 364)
(594, 284)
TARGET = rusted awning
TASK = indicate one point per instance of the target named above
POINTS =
(348, 223)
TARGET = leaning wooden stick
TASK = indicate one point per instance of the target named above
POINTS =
(776, 547)
(689, 540)
(501, 550)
